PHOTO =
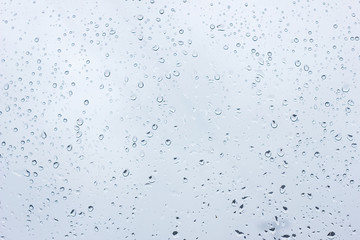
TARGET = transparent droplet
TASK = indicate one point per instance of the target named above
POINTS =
(338, 137)
(69, 147)
(107, 73)
(282, 189)
(268, 153)
(140, 84)
(43, 135)
(140, 17)
(73, 213)
(56, 165)
(101, 137)
(297, 63)
(90, 208)
(331, 235)
(274, 124)
(218, 111)
(126, 173)
(317, 154)
(294, 117)
(86, 102)
(168, 142)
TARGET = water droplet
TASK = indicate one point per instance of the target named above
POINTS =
(126, 173)
(218, 111)
(90, 208)
(331, 235)
(140, 84)
(268, 153)
(282, 189)
(56, 165)
(294, 117)
(201, 162)
(160, 99)
(297, 63)
(69, 147)
(43, 135)
(140, 17)
(107, 73)
(86, 102)
(338, 137)
(317, 154)
(274, 124)
(101, 137)
(36, 39)
(168, 142)
(73, 213)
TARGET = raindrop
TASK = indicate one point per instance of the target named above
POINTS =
(282, 189)
(107, 73)
(294, 118)
(43, 135)
(126, 173)
(274, 124)
(55, 165)
(90, 208)
(331, 235)
(218, 111)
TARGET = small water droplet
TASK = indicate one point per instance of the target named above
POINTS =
(107, 73)
(56, 165)
(282, 189)
(43, 135)
(331, 235)
(126, 173)
(293, 117)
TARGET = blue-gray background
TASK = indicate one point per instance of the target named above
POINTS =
(179, 119)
